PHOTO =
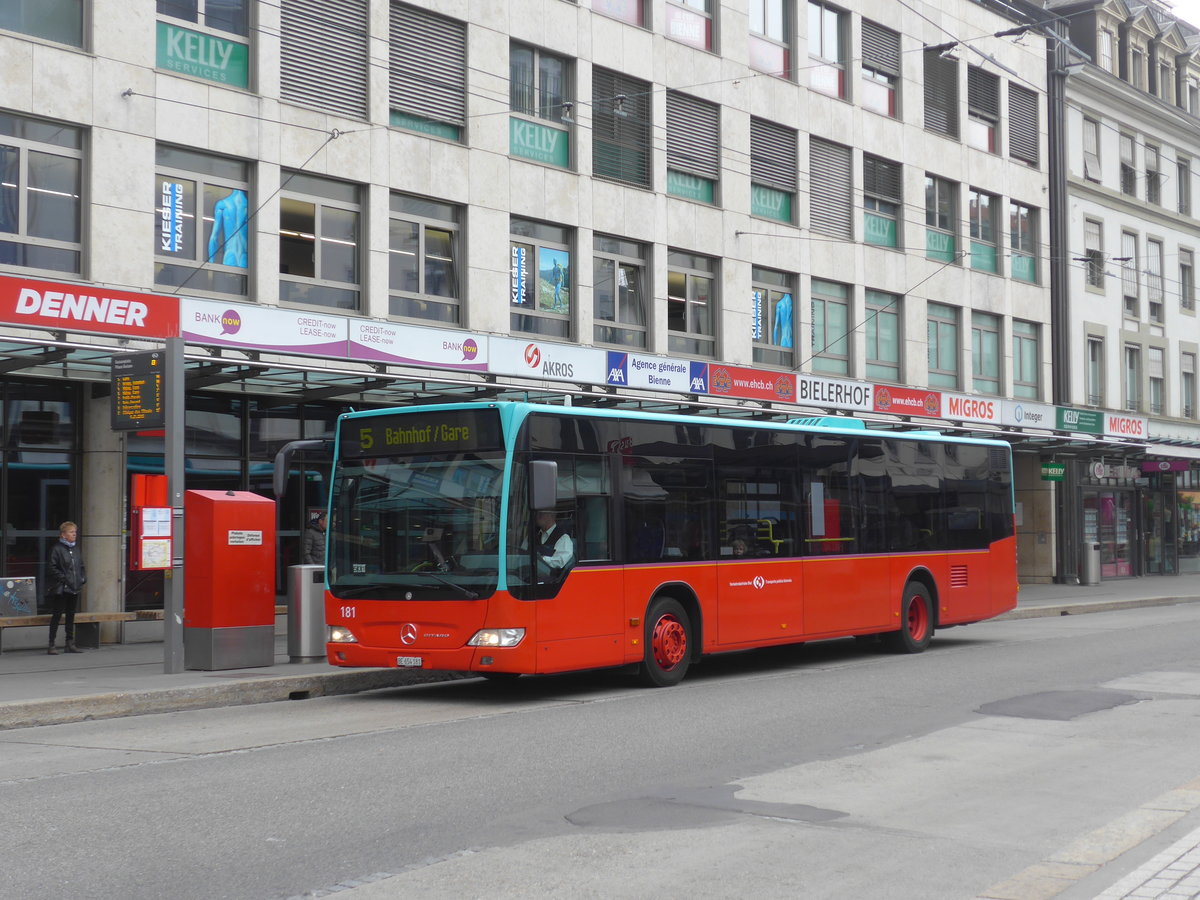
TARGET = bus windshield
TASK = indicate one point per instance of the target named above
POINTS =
(416, 527)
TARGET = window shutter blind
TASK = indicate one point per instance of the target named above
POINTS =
(881, 178)
(693, 136)
(941, 94)
(772, 155)
(983, 93)
(621, 143)
(1023, 124)
(323, 54)
(880, 48)
(829, 189)
(428, 65)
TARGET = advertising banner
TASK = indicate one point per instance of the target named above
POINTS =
(87, 308)
(545, 359)
(907, 401)
(264, 328)
(751, 384)
(387, 342)
(972, 409)
(655, 373)
(1020, 414)
(833, 393)
(1119, 425)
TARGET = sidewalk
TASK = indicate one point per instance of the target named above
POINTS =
(128, 679)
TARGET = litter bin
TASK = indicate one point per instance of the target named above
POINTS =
(306, 613)
(1089, 564)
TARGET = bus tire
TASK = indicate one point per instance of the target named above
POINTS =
(916, 617)
(668, 643)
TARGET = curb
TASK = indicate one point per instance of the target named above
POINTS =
(63, 710)
(1072, 609)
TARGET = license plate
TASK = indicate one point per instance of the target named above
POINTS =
(409, 662)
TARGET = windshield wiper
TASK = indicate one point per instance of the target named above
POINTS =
(339, 591)
(470, 595)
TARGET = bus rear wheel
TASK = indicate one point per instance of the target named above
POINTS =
(667, 641)
(916, 621)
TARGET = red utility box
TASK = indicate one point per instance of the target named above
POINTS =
(229, 580)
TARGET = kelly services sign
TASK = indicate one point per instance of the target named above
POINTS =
(203, 55)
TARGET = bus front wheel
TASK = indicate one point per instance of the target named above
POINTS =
(667, 642)
(916, 621)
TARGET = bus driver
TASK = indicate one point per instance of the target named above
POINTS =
(555, 548)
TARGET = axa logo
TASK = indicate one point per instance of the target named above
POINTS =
(616, 375)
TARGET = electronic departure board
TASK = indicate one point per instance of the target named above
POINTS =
(138, 391)
(408, 433)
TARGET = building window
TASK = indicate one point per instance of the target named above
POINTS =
(983, 108)
(691, 303)
(771, 36)
(1130, 280)
(985, 353)
(1022, 241)
(880, 68)
(1154, 281)
(1106, 51)
(1153, 176)
(318, 241)
(1023, 127)
(1183, 171)
(982, 208)
(619, 276)
(231, 16)
(1155, 380)
(1187, 385)
(41, 208)
(631, 11)
(1187, 280)
(539, 90)
(941, 94)
(882, 201)
(323, 55)
(201, 217)
(1193, 96)
(1095, 371)
(830, 327)
(827, 47)
(883, 336)
(1133, 377)
(1026, 359)
(539, 278)
(620, 128)
(830, 196)
(427, 73)
(1137, 69)
(423, 252)
(51, 20)
(773, 331)
(941, 219)
(1091, 150)
(693, 147)
(690, 22)
(943, 345)
(1093, 258)
(203, 50)
(1165, 80)
(1128, 172)
(772, 170)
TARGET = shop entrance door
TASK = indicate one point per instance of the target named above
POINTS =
(1108, 521)
(1158, 533)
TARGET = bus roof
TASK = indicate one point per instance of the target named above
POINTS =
(845, 425)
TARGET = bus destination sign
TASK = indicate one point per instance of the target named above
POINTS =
(408, 433)
(138, 391)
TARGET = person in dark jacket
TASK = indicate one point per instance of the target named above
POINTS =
(65, 580)
(314, 541)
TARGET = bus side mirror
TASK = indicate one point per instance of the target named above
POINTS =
(543, 484)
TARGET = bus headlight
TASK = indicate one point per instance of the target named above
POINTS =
(340, 635)
(497, 637)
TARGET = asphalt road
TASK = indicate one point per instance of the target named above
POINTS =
(823, 771)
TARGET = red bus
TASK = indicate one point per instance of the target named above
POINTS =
(687, 535)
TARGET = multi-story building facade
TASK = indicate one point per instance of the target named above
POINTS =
(756, 207)
(1132, 334)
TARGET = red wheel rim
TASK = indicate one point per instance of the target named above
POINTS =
(668, 642)
(918, 618)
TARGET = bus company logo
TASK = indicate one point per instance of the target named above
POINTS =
(408, 633)
(784, 388)
(883, 399)
(231, 321)
(470, 349)
(759, 582)
(533, 356)
(721, 382)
